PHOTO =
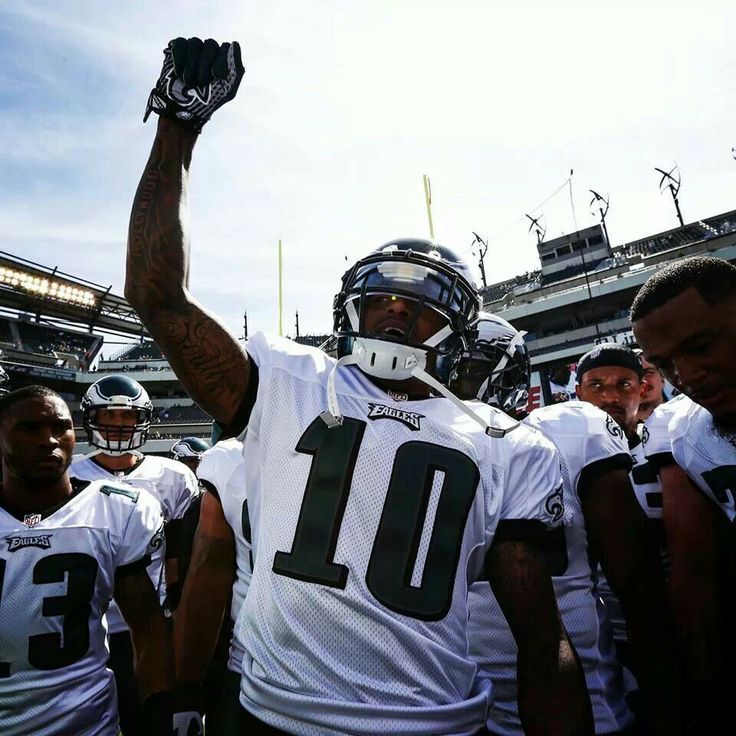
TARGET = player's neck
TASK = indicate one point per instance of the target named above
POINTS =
(22, 496)
(117, 462)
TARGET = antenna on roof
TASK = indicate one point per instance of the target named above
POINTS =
(671, 180)
(540, 229)
(482, 249)
(603, 204)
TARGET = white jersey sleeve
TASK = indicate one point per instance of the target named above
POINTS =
(655, 432)
(143, 535)
(532, 478)
(223, 468)
(707, 457)
(587, 438)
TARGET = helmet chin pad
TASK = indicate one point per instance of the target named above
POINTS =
(387, 360)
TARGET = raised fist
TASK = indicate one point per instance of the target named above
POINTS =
(196, 79)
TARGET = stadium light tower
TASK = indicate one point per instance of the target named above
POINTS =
(671, 180)
(602, 205)
(482, 250)
(540, 229)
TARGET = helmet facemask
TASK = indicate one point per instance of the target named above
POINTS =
(439, 301)
(500, 368)
(117, 439)
(116, 392)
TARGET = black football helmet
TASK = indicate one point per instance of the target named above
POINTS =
(498, 363)
(423, 274)
(116, 391)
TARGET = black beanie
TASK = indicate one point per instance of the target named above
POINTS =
(609, 354)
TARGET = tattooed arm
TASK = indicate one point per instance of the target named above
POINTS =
(553, 698)
(207, 586)
(209, 362)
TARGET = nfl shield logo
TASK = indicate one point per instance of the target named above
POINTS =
(30, 520)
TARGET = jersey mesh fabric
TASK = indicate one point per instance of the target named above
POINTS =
(169, 481)
(655, 432)
(324, 659)
(708, 458)
(580, 433)
(59, 684)
(222, 466)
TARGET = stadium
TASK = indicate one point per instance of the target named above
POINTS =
(57, 328)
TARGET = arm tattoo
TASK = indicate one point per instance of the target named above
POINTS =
(214, 553)
(209, 362)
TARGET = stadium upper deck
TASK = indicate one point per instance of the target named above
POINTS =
(582, 293)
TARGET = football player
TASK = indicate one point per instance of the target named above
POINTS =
(189, 450)
(601, 520)
(355, 618)
(116, 415)
(68, 547)
(610, 377)
(654, 394)
(221, 569)
(684, 319)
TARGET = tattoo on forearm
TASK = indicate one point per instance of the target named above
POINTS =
(213, 553)
(208, 361)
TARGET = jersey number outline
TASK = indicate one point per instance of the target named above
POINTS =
(721, 481)
(396, 544)
(53, 650)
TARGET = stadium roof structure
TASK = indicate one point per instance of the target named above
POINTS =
(38, 290)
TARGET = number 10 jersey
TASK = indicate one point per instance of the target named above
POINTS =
(365, 540)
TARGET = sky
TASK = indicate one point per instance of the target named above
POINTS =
(345, 106)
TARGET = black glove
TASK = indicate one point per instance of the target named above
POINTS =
(196, 79)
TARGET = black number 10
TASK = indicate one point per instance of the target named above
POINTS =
(397, 542)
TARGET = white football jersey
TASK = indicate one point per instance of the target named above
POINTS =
(223, 467)
(365, 540)
(708, 458)
(170, 481)
(655, 432)
(56, 580)
(645, 478)
(587, 439)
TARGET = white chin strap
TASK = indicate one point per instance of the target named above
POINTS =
(396, 362)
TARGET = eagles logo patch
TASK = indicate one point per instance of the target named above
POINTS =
(156, 542)
(613, 427)
(554, 505)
